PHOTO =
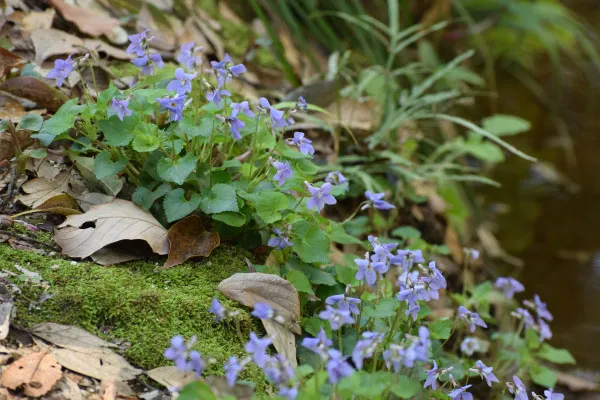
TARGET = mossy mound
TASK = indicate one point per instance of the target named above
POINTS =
(139, 303)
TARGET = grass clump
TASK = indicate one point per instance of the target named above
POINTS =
(138, 302)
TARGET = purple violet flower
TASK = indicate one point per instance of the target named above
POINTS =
(437, 280)
(517, 388)
(365, 348)
(284, 171)
(319, 345)
(217, 309)
(469, 346)
(182, 83)
(407, 258)
(541, 309)
(61, 71)
(226, 70)
(276, 115)
(258, 348)
(288, 392)
(367, 270)
(120, 107)
(484, 372)
(544, 330)
(148, 63)
(461, 393)
(243, 108)
(337, 318)
(174, 104)
(177, 352)
(195, 363)
(471, 317)
(344, 303)
(394, 356)
(336, 178)
(375, 200)
(320, 196)
(216, 95)
(280, 241)
(337, 367)
(235, 124)
(301, 104)
(263, 311)
(186, 56)
(524, 314)
(433, 375)
(303, 144)
(232, 369)
(509, 286)
(139, 43)
(550, 395)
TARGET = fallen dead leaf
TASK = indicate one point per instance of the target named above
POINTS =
(283, 340)
(191, 33)
(37, 373)
(101, 47)
(111, 185)
(112, 256)
(89, 199)
(212, 37)
(229, 15)
(62, 204)
(67, 336)
(52, 42)
(171, 376)
(5, 314)
(8, 61)
(88, 20)
(453, 242)
(164, 37)
(188, 238)
(112, 222)
(221, 389)
(353, 114)
(38, 20)
(256, 287)
(12, 110)
(65, 389)
(576, 383)
(35, 90)
(39, 190)
(85, 353)
(108, 390)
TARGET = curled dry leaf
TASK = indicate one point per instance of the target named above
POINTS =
(39, 190)
(85, 353)
(37, 373)
(52, 42)
(38, 20)
(112, 222)
(256, 287)
(171, 376)
(35, 90)
(5, 312)
(283, 340)
(89, 199)
(101, 47)
(89, 21)
(188, 238)
(62, 204)
(164, 37)
(9, 60)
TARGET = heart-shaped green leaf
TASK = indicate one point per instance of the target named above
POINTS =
(176, 206)
(177, 171)
(104, 166)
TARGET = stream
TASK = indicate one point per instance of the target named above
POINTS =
(548, 214)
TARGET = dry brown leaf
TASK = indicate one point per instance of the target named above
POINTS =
(453, 242)
(212, 37)
(38, 190)
(99, 363)
(109, 390)
(88, 21)
(171, 376)
(89, 199)
(164, 37)
(52, 42)
(221, 389)
(354, 114)
(188, 238)
(229, 15)
(256, 287)
(191, 33)
(5, 313)
(62, 204)
(67, 335)
(38, 20)
(576, 383)
(113, 222)
(9, 60)
(111, 256)
(35, 90)
(12, 110)
(65, 389)
(101, 47)
(37, 372)
(283, 340)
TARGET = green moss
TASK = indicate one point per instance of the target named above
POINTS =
(235, 38)
(139, 303)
